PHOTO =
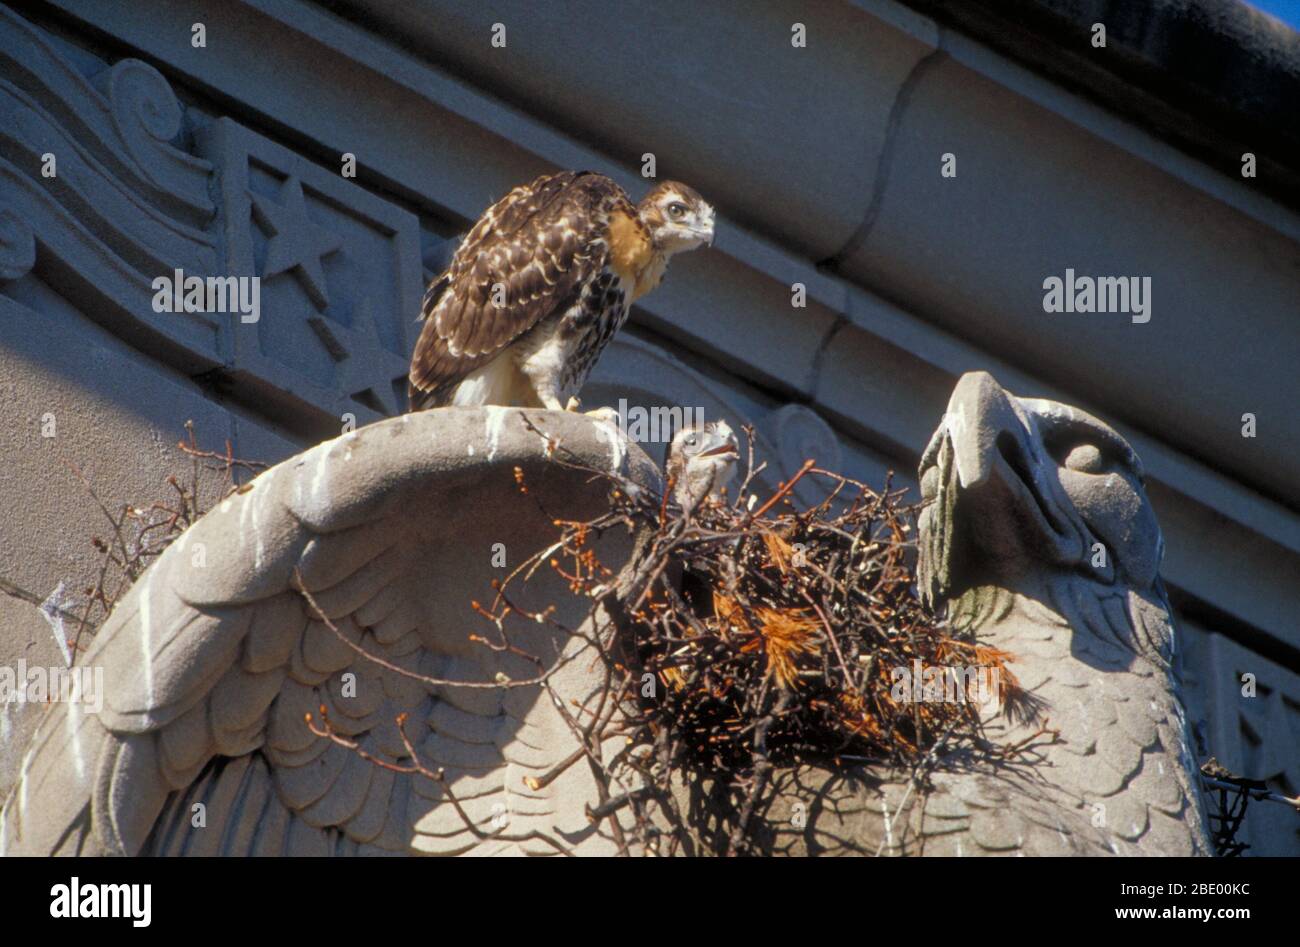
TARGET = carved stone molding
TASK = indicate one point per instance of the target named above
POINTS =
(120, 202)
(340, 278)
(1252, 727)
(91, 167)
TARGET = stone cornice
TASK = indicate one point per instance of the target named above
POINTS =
(456, 147)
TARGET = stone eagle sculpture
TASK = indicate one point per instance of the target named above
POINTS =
(1036, 533)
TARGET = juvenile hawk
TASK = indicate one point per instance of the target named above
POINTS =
(701, 462)
(541, 284)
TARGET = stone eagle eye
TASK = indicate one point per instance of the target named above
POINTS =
(1082, 449)
(1086, 458)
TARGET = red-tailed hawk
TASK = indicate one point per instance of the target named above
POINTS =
(541, 284)
(701, 462)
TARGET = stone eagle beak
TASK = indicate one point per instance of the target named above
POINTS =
(986, 459)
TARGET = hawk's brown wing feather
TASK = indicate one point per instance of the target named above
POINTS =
(543, 241)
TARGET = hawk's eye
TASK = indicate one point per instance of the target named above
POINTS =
(676, 210)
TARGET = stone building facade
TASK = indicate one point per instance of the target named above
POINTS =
(894, 183)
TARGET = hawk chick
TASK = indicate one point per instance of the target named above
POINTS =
(541, 284)
(701, 462)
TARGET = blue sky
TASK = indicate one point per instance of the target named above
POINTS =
(1288, 11)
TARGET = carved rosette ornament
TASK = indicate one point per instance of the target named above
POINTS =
(800, 435)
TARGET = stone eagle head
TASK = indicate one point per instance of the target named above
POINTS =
(1040, 499)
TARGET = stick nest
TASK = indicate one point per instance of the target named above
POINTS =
(742, 637)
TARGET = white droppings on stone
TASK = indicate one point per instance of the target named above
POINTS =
(469, 449)
(74, 735)
(23, 783)
(496, 420)
(261, 495)
(317, 491)
(245, 515)
(52, 608)
(889, 824)
(617, 446)
(1049, 409)
(956, 426)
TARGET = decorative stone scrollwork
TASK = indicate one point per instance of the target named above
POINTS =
(90, 168)
(148, 119)
(122, 203)
(1251, 711)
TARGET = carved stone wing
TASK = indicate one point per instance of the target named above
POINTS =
(213, 660)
